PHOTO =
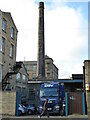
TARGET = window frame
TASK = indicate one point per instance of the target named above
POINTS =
(23, 92)
(0, 73)
(34, 68)
(11, 50)
(12, 32)
(27, 67)
(18, 78)
(3, 44)
(4, 25)
(24, 79)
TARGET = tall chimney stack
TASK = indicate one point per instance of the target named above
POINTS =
(41, 49)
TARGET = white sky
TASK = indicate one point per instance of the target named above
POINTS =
(66, 33)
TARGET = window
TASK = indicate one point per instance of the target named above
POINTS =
(12, 32)
(23, 92)
(24, 78)
(27, 67)
(11, 50)
(4, 25)
(48, 66)
(18, 77)
(3, 44)
(34, 67)
(31, 94)
(0, 73)
(48, 75)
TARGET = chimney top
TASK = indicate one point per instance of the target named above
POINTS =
(41, 4)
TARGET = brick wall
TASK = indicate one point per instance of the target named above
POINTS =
(8, 103)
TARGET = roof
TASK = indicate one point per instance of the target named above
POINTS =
(8, 13)
(70, 80)
(86, 61)
(58, 80)
(47, 57)
(30, 62)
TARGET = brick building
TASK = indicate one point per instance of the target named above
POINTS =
(51, 71)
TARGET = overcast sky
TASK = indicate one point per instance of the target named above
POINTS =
(66, 31)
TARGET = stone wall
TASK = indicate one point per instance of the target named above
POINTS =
(6, 60)
(7, 103)
(0, 104)
(87, 85)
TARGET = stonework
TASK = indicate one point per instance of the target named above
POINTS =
(41, 49)
(7, 61)
(0, 104)
(8, 103)
(8, 32)
(21, 85)
(51, 71)
(87, 82)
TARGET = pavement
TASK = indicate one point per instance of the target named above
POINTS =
(35, 117)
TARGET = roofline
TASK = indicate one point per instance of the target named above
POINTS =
(59, 80)
(86, 61)
(69, 81)
(11, 18)
(28, 61)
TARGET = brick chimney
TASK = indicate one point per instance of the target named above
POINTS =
(41, 48)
